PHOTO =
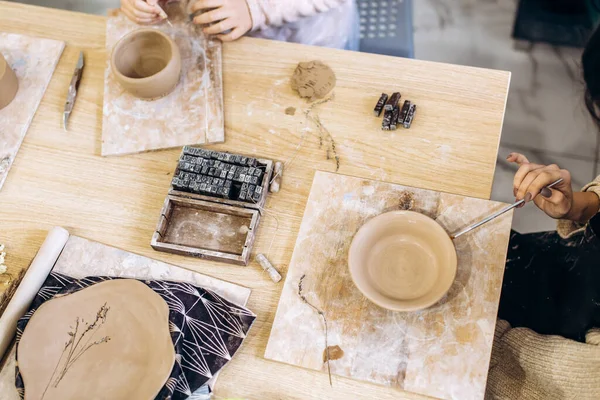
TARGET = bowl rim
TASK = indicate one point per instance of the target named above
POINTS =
(453, 264)
(119, 44)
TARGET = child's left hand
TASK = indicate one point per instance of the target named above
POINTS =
(224, 15)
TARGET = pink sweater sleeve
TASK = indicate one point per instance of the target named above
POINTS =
(278, 12)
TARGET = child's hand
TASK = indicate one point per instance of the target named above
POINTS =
(224, 15)
(140, 11)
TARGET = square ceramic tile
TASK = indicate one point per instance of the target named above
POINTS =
(413, 351)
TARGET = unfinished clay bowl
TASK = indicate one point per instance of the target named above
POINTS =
(146, 63)
(9, 85)
(402, 261)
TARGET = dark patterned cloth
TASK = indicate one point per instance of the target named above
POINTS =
(552, 285)
(206, 329)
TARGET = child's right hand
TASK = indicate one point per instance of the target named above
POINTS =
(140, 11)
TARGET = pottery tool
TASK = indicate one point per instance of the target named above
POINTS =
(33, 60)
(70, 255)
(73, 88)
(163, 14)
(419, 351)
(275, 184)
(469, 228)
(268, 267)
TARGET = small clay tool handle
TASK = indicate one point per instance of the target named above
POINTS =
(33, 280)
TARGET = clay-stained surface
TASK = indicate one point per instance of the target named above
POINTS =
(82, 257)
(210, 230)
(33, 60)
(443, 351)
(191, 114)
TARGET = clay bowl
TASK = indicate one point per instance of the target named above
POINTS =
(402, 261)
(146, 63)
(9, 85)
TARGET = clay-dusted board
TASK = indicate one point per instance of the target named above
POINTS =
(82, 257)
(33, 60)
(191, 114)
(443, 351)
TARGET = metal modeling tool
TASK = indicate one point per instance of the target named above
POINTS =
(163, 14)
(545, 190)
(73, 87)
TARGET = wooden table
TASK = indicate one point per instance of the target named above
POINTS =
(59, 178)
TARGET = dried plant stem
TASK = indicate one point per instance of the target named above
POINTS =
(323, 131)
(73, 351)
(322, 314)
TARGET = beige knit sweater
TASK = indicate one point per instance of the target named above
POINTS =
(528, 366)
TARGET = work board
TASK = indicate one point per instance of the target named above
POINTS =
(442, 351)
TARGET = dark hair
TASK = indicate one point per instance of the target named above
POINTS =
(590, 62)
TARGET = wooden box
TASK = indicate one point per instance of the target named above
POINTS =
(213, 228)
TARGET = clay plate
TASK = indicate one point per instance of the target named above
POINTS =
(126, 354)
(402, 261)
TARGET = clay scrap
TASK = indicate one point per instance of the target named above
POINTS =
(9, 85)
(313, 80)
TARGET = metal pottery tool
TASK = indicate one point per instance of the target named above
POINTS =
(163, 15)
(499, 213)
(73, 87)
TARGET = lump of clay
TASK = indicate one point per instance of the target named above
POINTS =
(313, 80)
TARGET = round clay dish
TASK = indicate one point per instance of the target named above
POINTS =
(9, 85)
(146, 63)
(134, 363)
(402, 261)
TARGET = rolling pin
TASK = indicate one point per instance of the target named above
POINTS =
(32, 282)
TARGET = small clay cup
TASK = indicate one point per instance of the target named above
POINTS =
(9, 85)
(147, 63)
(402, 261)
